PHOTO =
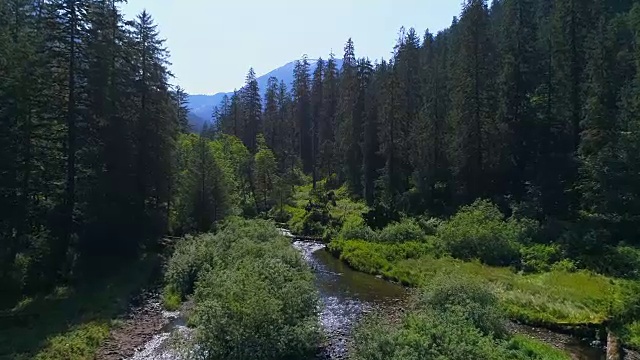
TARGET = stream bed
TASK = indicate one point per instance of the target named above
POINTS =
(346, 296)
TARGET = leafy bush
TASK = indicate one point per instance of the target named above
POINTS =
(429, 225)
(623, 261)
(470, 297)
(356, 230)
(190, 256)
(539, 257)
(422, 336)
(455, 318)
(254, 294)
(405, 230)
(264, 310)
(479, 231)
(171, 298)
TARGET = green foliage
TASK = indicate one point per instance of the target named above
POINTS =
(467, 296)
(250, 284)
(266, 179)
(355, 229)
(405, 230)
(376, 258)
(479, 231)
(171, 298)
(455, 318)
(533, 349)
(424, 335)
(541, 258)
(257, 310)
(189, 258)
(557, 297)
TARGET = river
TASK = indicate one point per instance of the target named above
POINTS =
(346, 296)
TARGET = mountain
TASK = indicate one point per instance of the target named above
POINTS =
(201, 106)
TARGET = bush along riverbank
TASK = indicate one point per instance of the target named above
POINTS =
(456, 318)
(253, 294)
(537, 281)
(535, 284)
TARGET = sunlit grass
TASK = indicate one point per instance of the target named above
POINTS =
(556, 297)
(536, 349)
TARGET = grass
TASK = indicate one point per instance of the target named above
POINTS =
(631, 334)
(553, 298)
(536, 349)
(71, 323)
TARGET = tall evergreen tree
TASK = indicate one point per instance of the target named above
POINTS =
(471, 114)
(271, 112)
(349, 129)
(251, 111)
(327, 127)
(302, 112)
(317, 116)
(516, 85)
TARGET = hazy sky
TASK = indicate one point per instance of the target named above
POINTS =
(213, 43)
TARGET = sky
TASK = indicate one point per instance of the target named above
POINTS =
(213, 43)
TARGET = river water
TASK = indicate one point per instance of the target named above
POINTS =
(346, 295)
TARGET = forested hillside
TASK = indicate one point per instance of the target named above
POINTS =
(527, 103)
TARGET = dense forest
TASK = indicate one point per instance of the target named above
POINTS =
(88, 126)
(530, 104)
(506, 146)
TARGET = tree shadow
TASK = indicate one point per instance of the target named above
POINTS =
(28, 328)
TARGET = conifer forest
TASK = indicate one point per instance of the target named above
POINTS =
(490, 170)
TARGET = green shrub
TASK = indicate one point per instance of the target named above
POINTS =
(254, 294)
(424, 335)
(479, 231)
(564, 265)
(263, 310)
(405, 230)
(623, 261)
(429, 225)
(356, 230)
(470, 297)
(190, 256)
(171, 298)
(539, 257)
(455, 317)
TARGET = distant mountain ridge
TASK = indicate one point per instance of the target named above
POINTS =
(201, 106)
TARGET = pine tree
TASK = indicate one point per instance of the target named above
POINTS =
(471, 109)
(271, 112)
(609, 144)
(251, 111)
(302, 112)
(286, 150)
(155, 127)
(371, 162)
(69, 41)
(327, 127)
(349, 128)
(317, 116)
(181, 100)
(516, 84)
